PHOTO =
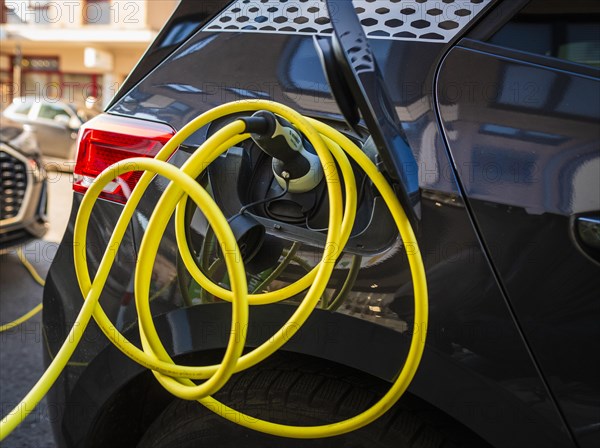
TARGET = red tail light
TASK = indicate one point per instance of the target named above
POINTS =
(108, 139)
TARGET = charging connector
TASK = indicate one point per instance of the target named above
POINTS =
(294, 167)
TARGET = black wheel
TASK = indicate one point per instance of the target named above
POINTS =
(297, 390)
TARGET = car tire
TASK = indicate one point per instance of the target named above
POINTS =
(303, 393)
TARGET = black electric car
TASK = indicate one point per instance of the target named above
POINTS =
(23, 189)
(498, 103)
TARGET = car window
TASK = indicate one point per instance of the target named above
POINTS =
(51, 111)
(22, 108)
(563, 29)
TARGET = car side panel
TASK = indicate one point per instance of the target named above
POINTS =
(525, 139)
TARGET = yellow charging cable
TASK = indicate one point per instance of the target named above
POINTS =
(332, 147)
(39, 280)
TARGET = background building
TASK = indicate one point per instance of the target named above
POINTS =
(74, 49)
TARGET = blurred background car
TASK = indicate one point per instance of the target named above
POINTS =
(23, 188)
(56, 123)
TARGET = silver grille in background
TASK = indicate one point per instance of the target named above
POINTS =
(14, 181)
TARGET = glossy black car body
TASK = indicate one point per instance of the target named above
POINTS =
(507, 145)
(23, 189)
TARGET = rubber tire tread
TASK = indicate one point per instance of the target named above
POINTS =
(299, 390)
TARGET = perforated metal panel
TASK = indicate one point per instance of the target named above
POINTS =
(423, 20)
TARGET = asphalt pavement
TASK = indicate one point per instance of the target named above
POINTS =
(21, 348)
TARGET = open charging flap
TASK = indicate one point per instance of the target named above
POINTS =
(359, 90)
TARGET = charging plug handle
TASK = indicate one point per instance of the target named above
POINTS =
(292, 163)
(278, 138)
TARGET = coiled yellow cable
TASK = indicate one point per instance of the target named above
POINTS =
(331, 147)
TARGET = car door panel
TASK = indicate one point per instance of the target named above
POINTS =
(55, 138)
(524, 138)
